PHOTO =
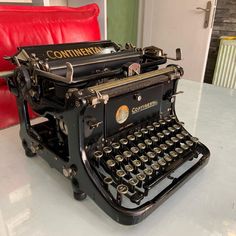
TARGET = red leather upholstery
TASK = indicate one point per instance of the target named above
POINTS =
(25, 26)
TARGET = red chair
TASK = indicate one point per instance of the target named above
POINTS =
(25, 26)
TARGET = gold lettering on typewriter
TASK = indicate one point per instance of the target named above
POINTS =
(78, 52)
(144, 107)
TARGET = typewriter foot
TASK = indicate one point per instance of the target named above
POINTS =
(28, 152)
(79, 195)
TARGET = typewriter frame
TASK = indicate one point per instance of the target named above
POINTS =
(77, 168)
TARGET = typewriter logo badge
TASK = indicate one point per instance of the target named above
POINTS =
(122, 114)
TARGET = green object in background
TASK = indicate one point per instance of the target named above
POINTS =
(122, 21)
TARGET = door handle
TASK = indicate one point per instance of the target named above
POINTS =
(207, 11)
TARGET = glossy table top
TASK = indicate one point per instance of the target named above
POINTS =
(36, 200)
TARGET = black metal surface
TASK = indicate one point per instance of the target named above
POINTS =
(123, 152)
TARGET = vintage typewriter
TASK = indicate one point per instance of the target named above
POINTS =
(108, 122)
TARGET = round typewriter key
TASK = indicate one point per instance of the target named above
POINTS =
(166, 132)
(127, 155)
(131, 137)
(184, 146)
(156, 125)
(107, 150)
(141, 176)
(180, 136)
(110, 164)
(148, 142)
(121, 190)
(194, 139)
(155, 166)
(116, 146)
(134, 150)
(189, 143)
(120, 174)
(173, 117)
(123, 141)
(119, 158)
(160, 135)
(174, 140)
(173, 154)
(171, 129)
(184, 133)
(136, 164)
(167, 119)
(141, 146)
(161, 162)
(179, 150)
(148, 171)
(157, 150)
(129, 168)
(177, 127)
(132, 182)
(162, 122)
(154, 139)
(163, 147)
(144, 131)
(98, 155)
(107, 180)
(150, 128)
(169, 143)
(168, 158)
(137, 134)
(151, 155)
(144, 160)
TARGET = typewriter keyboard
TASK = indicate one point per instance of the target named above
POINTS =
(132, 165)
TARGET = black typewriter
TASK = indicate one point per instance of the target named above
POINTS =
(108, 122)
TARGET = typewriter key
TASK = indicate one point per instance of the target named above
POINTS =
(148, 171)
(144, 131)
(174, 140)
(120, 174)
(173, 154)
(131, 137)
(144, 160)
(116, 146)
(110, 164)
(129, 168)
(173, 117)
(184, 146)
(98, 155)
(155, 166)
(134, 150)
(162, 122)
(107, 150)
(141, 146)
(150, 128)
(161, 162)
(121, 190)
(167, 119)
(154, 139)
(123, 142)
(141, 176)
(194, 139)
(157, 150)
(127, 155)
(107, 180)
(136, 164)
(179, 150)
(184, 133)
(138, 134)
(156, 125)
(163, 147)
(168, 158)
(160, 136)
(177, 127)
(169, 143)
(148, 142)
(151, 155)
(166, 132)
(119, 159)
(171, 129)
(180, 136)
(189, 143)
(132, 182)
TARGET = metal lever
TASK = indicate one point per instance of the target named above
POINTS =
(207, 11)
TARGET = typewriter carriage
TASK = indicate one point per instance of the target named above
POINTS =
(79, 98)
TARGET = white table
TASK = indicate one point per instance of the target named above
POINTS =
(35, 200)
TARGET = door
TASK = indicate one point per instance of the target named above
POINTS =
(181, 24)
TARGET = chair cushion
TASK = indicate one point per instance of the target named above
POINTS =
(26, 26)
